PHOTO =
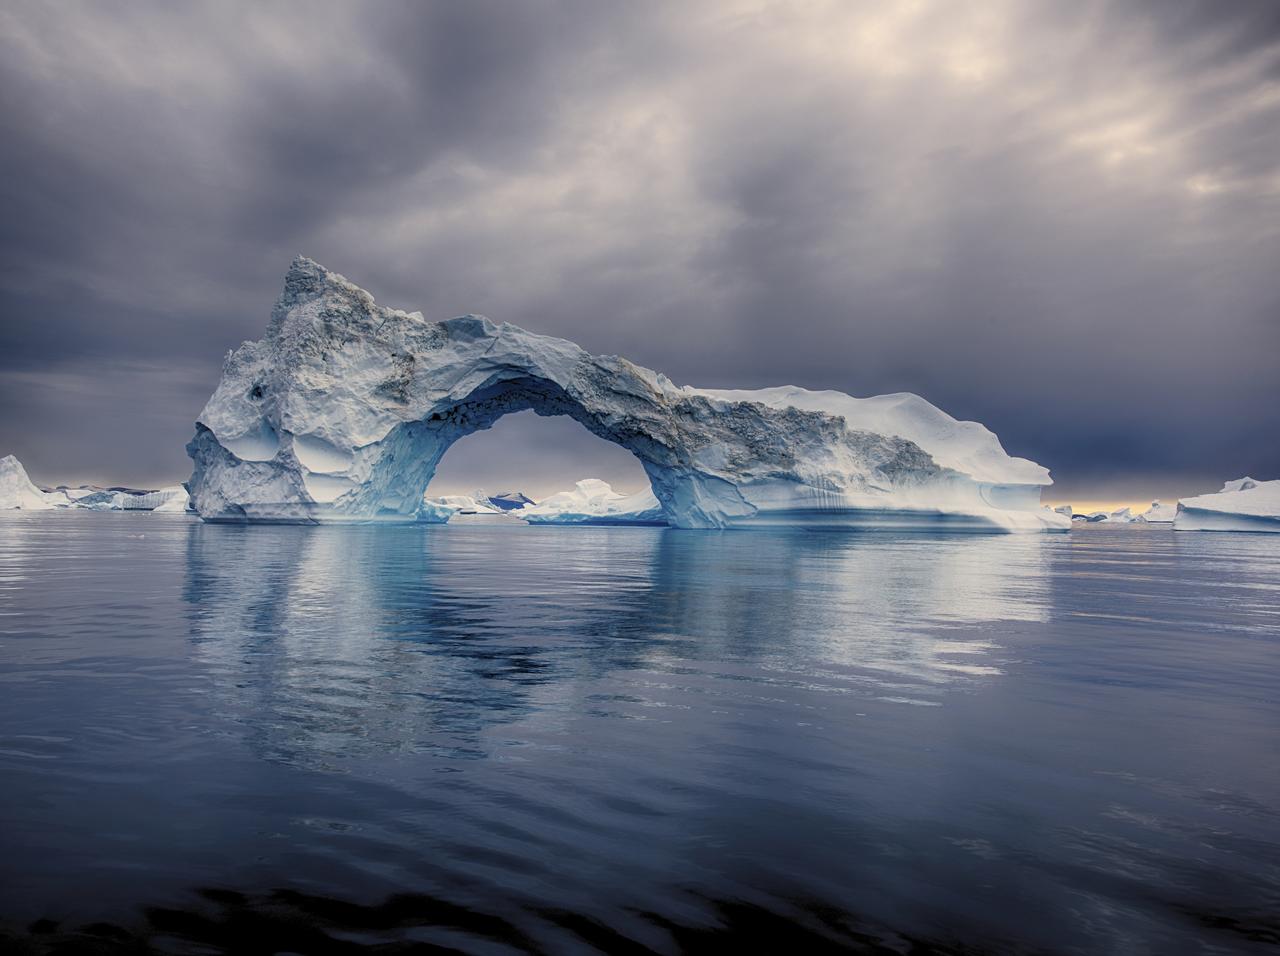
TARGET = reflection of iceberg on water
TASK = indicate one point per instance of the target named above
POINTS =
(833, 605)
(359, 640)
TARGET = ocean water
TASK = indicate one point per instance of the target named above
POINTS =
(500, 739)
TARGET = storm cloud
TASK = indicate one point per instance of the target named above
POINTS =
(1062, 220)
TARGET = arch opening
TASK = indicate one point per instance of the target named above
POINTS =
(534, 455)
(529, 404)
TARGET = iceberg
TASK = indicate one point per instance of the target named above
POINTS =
(1064, 510)
(1120, 516)
(593, 501)
(1158, 513)
(344, 409)
(1242, 505)
(17, 492)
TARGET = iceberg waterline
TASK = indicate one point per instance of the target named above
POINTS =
(344, 409)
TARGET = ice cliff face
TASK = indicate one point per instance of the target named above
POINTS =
(1242, 505)
(344, 409)
(16, 489)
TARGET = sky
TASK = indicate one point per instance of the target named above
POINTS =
(1059, 219)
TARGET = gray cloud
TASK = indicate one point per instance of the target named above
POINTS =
(1059, 219)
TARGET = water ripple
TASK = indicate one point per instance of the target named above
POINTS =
(504, 739)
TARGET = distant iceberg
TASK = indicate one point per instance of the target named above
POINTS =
(1158, 513)
(1092, 517)
(17, 491)
(462, 504)
(1119, 516)
(64, 497)
(1242, 505)
(116, 499)
(593, 501)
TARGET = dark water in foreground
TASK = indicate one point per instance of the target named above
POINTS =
(505, 739)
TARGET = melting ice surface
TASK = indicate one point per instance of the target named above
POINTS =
(505, 738)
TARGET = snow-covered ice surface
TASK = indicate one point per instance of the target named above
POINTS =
(17, 490)
(1242, 505)
(593, 501)
(344, 409)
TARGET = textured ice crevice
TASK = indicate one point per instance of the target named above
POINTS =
(343, 388)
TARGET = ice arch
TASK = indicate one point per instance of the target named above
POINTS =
(344, 409)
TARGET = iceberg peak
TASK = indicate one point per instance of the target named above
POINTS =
(17, 491)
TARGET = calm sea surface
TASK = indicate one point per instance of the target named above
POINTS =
(498, 738)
